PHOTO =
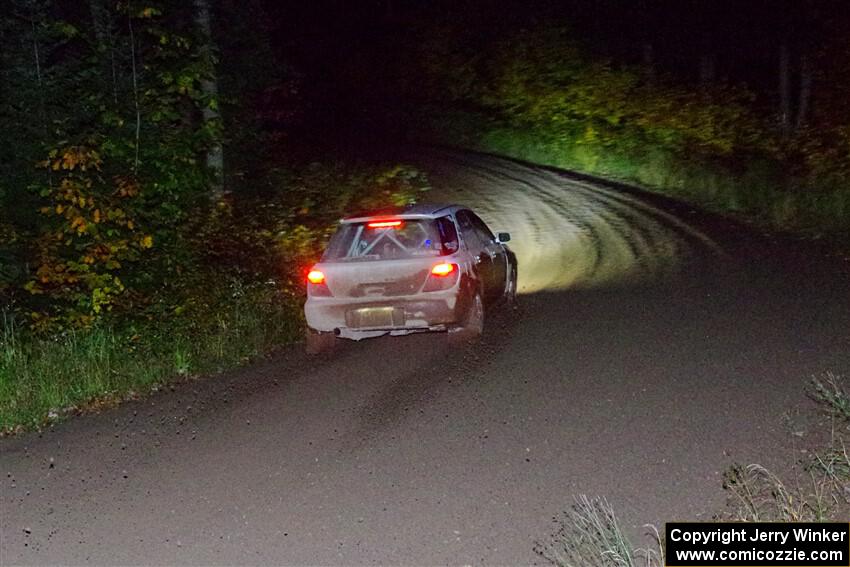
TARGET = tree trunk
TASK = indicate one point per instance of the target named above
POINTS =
(209, 88)
(706, 71)
(42, 107)
(102, 23)
(98, 21)
(805, 91)
(784, 90)
(648, 57)
(136, 106)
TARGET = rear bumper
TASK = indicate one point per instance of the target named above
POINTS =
(423, 312)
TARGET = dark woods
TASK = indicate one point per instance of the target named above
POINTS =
(142, 134)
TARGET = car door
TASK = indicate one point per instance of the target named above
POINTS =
(498, 258)
(477, 249)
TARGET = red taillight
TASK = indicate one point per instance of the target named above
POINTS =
(317, 286)
(384, 224)
(443, 276)
(443, 269)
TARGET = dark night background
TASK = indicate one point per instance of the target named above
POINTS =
(348, 47)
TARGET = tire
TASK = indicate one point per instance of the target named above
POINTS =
(318, 343)
(472, 325)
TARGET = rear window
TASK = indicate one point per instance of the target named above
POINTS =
(392, 239)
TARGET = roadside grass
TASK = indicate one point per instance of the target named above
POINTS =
(758, 189)
(819, 487)
(43, 379)
(754, 187)
(832, 392)
(588, 534)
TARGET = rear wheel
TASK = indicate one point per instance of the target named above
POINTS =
(318, 343)
(472, 325)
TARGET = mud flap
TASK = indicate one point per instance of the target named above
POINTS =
(318, 343)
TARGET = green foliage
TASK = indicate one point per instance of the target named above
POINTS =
(115, 266)
(113, 109)
(538, 96)
(825, 143)
(89, 235)
(540, 80)
(257, 234)
(238, 296)
(758, 189)
(42, 379)
(11, 267)
(827, 154)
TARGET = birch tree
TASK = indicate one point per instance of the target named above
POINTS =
(101, 16)
(784, 89)
(209, 89)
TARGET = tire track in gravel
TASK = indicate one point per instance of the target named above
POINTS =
(567, 232)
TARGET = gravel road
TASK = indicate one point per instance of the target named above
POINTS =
(654, 347)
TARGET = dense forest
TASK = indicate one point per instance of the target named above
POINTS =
(156, 213)
(734, 105)
(175, 166)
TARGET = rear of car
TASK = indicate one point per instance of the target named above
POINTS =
(379, 275)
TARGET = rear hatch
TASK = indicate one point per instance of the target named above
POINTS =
(386, 257)
(388, 278)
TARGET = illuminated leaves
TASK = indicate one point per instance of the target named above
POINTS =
(73, 157)
(123, 134)
(92, 235)
(79, 224)
(148, 12)
(540, 80)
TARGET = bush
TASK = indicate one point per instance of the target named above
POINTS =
(236, 294)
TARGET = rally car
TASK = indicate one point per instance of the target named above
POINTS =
(424, 268)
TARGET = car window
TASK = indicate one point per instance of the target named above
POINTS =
(481, 228)
(448, 235)
(387, 240)
(467, 229)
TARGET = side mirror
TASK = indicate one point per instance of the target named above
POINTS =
(503, 237)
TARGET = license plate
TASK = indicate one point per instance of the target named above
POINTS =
(375, 317)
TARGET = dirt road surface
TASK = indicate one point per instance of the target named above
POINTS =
(654, 347)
